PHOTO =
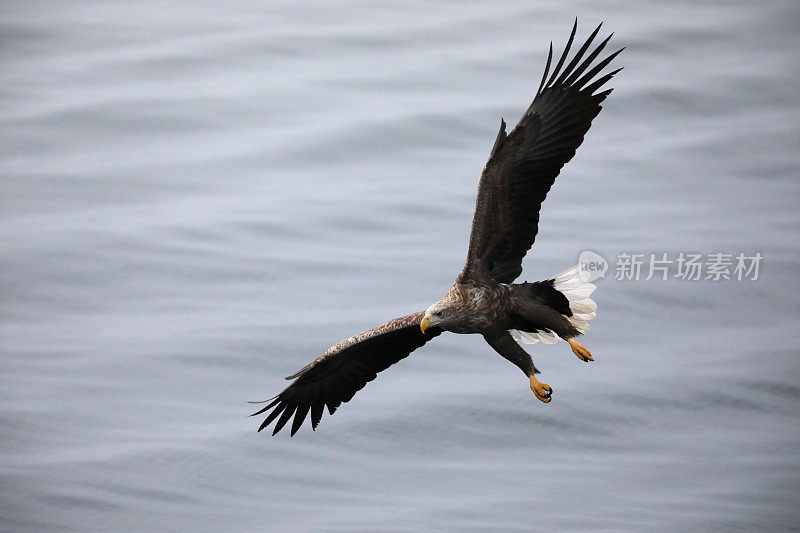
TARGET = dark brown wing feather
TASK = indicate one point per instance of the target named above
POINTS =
(524, 164)
(343, 370)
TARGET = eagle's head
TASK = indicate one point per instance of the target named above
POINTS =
(442, 314)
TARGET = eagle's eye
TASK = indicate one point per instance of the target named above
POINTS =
(437, 313)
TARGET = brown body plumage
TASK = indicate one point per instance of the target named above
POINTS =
(521, 169)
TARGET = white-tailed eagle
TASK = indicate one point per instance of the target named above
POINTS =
(521, 169)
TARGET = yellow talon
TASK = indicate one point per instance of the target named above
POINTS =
(580, 350)
(543, 391)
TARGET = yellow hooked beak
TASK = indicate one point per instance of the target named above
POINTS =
(426, 322)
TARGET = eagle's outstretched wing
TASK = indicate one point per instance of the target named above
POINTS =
(524, 164)
(343, 370)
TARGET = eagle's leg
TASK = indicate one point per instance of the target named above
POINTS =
(505, 345)
(580, 350)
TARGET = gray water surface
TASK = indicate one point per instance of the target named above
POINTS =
(197, 199)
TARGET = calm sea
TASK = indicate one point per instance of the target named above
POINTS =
(196, 199)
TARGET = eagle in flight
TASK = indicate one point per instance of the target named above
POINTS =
(521, 169)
